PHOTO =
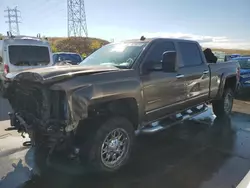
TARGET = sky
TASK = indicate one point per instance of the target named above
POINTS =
(214, 23)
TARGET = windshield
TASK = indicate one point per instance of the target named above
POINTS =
(120, 55)
(22, 55)
(244, 63)
(72, 58)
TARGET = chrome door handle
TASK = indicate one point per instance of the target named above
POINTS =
(179, 76)
(206, 72)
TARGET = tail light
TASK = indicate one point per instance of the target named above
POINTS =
(238, 73)
(6, 69)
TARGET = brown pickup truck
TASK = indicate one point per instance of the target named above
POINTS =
(95, 109)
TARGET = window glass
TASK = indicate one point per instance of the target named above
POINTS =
(190, 54)
(22, 55)
(121, 55)
(73, 58)
(155, 56)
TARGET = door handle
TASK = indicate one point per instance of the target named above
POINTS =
(206, 72)
(179, 76)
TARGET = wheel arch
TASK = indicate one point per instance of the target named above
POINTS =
(229, 81)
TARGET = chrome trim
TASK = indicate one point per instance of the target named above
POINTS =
(180, 76)
(177, 103)
(158, 128)
(206, 72)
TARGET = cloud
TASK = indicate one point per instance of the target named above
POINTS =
(205, 41)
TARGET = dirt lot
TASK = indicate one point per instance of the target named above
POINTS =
(201, 153)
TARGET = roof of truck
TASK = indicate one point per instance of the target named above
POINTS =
(66, 53)
(159, 38)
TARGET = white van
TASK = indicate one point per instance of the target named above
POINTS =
(19, 53)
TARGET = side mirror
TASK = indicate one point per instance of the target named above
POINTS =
(169, 61)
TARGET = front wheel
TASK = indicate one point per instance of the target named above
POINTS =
(223, 107)
(111, 146)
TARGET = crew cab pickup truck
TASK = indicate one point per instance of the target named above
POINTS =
(94, 110)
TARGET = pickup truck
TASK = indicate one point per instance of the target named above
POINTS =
(244, 63)
(93, 111)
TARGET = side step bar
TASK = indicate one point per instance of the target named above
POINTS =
(169, 122)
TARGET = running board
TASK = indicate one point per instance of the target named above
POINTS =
(173, 120)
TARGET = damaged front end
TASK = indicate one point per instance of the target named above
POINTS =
(44, 114)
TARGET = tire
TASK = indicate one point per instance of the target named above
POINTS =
(239, 90)
(103, 143)
(223, 107)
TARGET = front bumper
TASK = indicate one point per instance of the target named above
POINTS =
(48, 136)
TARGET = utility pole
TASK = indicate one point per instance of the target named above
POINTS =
(13, 16)
(77, 24)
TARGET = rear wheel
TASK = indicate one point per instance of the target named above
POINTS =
(223, 107)
(111, 146)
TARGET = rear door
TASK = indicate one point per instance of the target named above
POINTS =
(161, 90)
(25, 56)
(195, 71)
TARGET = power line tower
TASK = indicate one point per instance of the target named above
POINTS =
(77, 24)
(13, 16)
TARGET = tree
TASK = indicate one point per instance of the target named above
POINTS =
(81, 45)
(73, 44)
(94, 45)
(53, 48)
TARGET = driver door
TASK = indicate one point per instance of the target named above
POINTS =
(162, 91)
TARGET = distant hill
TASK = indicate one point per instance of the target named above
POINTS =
(81, 45)
(233, 51)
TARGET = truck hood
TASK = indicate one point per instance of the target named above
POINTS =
(244, 71)
(56, 73)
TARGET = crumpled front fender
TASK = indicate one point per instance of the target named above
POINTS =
(78, 102)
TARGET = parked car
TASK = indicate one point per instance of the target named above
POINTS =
(231, 56)
(67, 57)
(93, 111)
(18, 53)
(244, 63)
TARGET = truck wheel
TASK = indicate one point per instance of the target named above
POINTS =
(223, 107)
(111, 146)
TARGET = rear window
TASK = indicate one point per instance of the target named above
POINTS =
(72, 58)
(244, 62)
(22, 55)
